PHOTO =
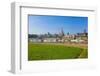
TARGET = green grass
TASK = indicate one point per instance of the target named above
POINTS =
(84, 53)
(38, 51)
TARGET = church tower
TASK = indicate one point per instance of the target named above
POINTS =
(62, 32)
(84, 30)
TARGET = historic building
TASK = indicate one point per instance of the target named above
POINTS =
(60, 38)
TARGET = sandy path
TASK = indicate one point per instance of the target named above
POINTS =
(80, 45)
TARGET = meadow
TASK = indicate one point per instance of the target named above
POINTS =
(38, 51)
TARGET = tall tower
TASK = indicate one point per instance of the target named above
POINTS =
(84, 30)
(62, 32)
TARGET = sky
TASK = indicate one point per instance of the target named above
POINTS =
(39, 24)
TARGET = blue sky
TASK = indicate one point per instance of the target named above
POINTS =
(39, 24)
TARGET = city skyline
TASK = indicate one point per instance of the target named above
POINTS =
(39, 24)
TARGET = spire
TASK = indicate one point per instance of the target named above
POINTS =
(62, 32)
(84, 30)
